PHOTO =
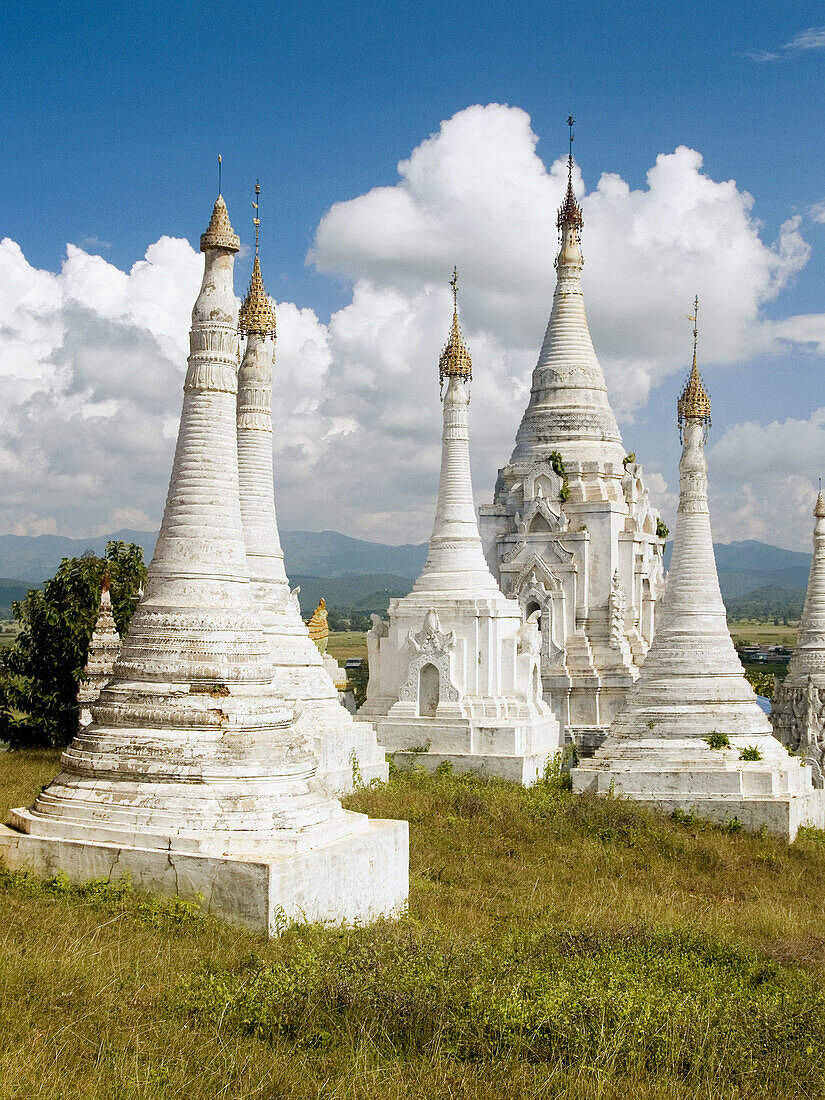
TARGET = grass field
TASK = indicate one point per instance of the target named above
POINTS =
(344, 644)
(555, 947)
(757, 633)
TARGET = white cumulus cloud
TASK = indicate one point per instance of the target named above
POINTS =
(92, 358)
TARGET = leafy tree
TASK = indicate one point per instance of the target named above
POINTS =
(40, 673)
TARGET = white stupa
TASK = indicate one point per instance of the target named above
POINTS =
(798, 707)
(692, 692)
(193, 776)
(345, 749)
(104, 650)
(571, 532)
(454, 673)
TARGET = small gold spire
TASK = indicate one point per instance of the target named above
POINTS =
(570, 213)
(455, 358)
(257, 312)
(819, 507)
(219, 233)
(694, 401)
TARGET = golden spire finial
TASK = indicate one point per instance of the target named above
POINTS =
(455, 358)
(694, 400)
(257, 313)
(570, 213)
(219, 233)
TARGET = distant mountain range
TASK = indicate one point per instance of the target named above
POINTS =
(357, 575)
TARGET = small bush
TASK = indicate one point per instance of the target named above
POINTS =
(718, 740)
(750, 753)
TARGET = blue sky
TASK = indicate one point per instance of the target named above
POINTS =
(114, 114)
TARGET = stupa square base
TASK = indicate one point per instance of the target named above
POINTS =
(518, 749)
(357, 879)
(774, 793)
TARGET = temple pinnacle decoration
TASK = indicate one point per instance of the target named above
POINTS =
(692, 735)
(570, 218)
(455, 358)
(456, 667)
(571, 530)
(257, 312)
(193, 777)
(307, 678)
(694, 400)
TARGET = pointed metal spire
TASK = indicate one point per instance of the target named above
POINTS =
(455, 358)
(257, 313)
(570, 213)
(694, 400)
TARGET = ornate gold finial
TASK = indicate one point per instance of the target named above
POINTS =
(819, 507)
(455, 358)
(318, 626)
(570, 213)
(257, 313)
(694, 401)
(219, 233)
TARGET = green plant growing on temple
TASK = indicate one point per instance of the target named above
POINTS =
(564, 492)
(718, 740)
(751, 753)
(40, 673)
(628, 459)
(557, 462)
(662, 529)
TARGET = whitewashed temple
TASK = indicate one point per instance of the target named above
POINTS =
(798, 706)
(571, 533)
(692, 735)
(194, 776)
(454, 672)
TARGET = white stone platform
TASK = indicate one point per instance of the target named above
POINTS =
(687, 774)
(354, 880)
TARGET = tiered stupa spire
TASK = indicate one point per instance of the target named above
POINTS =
(193, 776)
(456, 559)
(455, 667)
(104, 649)
(798, 710)
(569, 411)
(300, 674)
(692, 712)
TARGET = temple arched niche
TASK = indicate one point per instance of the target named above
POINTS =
(428, 690)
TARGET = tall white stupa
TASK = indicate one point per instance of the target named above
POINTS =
(454, 673)
(571, 532)
(692, 735)
(193, 777)
(798, 706)
(345, 749)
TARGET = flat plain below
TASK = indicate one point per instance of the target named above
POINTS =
(555, 946)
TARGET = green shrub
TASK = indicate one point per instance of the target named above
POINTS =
(677, 1003)
(718, 740)
(750, 753)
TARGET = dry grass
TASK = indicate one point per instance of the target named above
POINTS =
(90, 987)
(753, 632)
(347, 643)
